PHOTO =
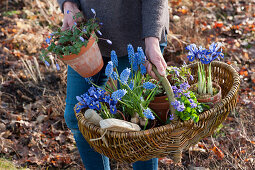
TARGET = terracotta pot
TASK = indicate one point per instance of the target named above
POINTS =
(160, 106)
(88, 62)
(211, 101)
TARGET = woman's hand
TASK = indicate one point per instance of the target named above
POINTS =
(155, 57)
(68, 17)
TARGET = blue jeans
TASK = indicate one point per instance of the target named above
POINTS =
(76, 86)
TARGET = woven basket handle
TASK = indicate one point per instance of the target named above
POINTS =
(167, 87)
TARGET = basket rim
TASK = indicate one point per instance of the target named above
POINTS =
(233, 90)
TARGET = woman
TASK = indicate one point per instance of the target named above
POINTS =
(143, 23)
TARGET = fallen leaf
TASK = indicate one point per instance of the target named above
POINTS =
(218, 152)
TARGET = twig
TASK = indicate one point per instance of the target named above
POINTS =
(17, 77)
(37, 68)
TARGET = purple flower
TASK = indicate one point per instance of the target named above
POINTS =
(99, 32)
(148, 114)
(114, 58)
(191, 77)
(187, 94)
(82, 39)
(93, 11)
(125, 75)
(100, 23)
(181, 107)
(149, 85)
(117, 95)
(193, 105)
(109, 69)
(57, 66)
(109, 42)
(171, 117)
(184, 86)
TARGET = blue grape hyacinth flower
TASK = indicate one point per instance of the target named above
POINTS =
(149, 85)
(148, 114)
(117, 95)
(109, 69)
(125, 75)
(114, 58)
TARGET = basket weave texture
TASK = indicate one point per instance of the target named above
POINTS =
(170, 139)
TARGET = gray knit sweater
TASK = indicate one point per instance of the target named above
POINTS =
(127, 21)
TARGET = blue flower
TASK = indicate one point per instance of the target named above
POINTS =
(99, 32)
(114, 58)
(109, 69)
(92, 90)
(109, 42)
(100, 23)
(176, 103)
(143, 69)
(84, 30)
(141, 56)
(113, 109)
(95, 105)
(93, 11)
(89, 80)
(149, 85)
(131, 85)
(47, 63)
(82, 39)
(125, 75)
(135, 63)
(79, 107)
(193, 51)
(48, 40)
(80, 100)
(117, 95)
(67, 11)
(75, 23)
(114, 75)
(131, 54)
(148, 114)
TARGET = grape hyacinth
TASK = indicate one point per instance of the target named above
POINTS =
(117, 95)
(125, 75)
(114, 58)
(109, 69)
(149, 85)
(131, 54)
(148, 114)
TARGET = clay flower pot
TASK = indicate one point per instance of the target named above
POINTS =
(88, 62)
(160, 106)
(210, 100)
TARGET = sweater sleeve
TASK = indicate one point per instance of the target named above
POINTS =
(61, 3)
(154, 18)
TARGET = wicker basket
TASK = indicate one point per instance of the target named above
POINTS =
(170, 139)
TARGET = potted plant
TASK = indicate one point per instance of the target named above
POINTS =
(130, 101)
(206, 91)
(77, 46)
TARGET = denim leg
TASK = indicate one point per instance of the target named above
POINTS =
(151, 164)
(76, 85)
